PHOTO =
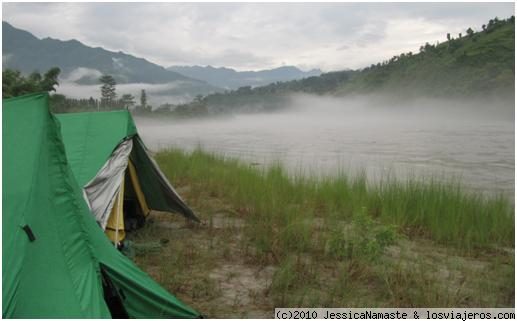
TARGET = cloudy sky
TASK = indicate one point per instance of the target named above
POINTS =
(248, 36)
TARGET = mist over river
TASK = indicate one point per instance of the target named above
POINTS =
(473, 142)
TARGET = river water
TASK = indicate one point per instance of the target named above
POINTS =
(474, 144)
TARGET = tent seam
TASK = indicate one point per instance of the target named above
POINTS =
(61, 164)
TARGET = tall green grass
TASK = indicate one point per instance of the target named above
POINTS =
(283, 211)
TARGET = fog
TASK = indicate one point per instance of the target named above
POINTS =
(157, 94)
(472, 141)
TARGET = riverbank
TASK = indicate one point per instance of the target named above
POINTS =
(273, 240)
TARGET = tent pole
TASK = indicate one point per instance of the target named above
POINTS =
(119, 197)
(116, 228)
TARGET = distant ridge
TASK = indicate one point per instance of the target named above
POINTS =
(83, 65)
(473, 65)
(231, 79)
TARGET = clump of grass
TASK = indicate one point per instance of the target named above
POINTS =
(415, 287)
(280, 207)
(360, 239)
(293, 280)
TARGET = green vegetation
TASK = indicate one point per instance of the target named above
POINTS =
(25, 52)
(143, 99)
(15, 84)
(108, 90)
(127, 101)
(272, 239)
(279, 204)
(479, 64)
(265, 98)
(63, 104)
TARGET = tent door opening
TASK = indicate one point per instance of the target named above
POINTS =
(135, 204)
(130, 208)
(113, 297)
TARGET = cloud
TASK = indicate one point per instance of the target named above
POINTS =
(255, 35)
(82, 72)
(6, 58)
(156, 93)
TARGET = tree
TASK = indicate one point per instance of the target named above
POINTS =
(470, 32)
(15, 84)
(50, 79)
(92, 102)
(198, 98)
(491, 24)
(35, 77)
(483, 27)
(127, 100)
(108, 90)
(143, 99)
(58, 103)
(448, 37)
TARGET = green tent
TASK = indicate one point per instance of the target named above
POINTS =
(122, 183)
(56, 261)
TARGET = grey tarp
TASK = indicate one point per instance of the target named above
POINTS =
(101, 191)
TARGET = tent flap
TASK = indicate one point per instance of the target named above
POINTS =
(159, 193)
(115, 225)
(138, 189)
(103, 189)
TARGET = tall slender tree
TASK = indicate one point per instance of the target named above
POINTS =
(143, 99)
(108, 91)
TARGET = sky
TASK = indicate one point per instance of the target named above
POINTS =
(254, 36)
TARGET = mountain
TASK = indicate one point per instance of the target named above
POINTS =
(84, 65)
(475, 65)
(231, 79)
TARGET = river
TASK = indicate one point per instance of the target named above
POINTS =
(321, 136)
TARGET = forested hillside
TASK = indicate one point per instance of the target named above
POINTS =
(465, 65)
(472, 64)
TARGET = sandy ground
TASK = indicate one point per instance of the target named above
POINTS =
(208, 267)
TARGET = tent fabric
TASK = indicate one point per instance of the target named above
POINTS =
(38, 193)
(52, 247)
(102, 190)
(159, 193)
(92, 137)
(115, 224)
(138, 189)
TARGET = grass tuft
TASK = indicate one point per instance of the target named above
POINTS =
(282, 209)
